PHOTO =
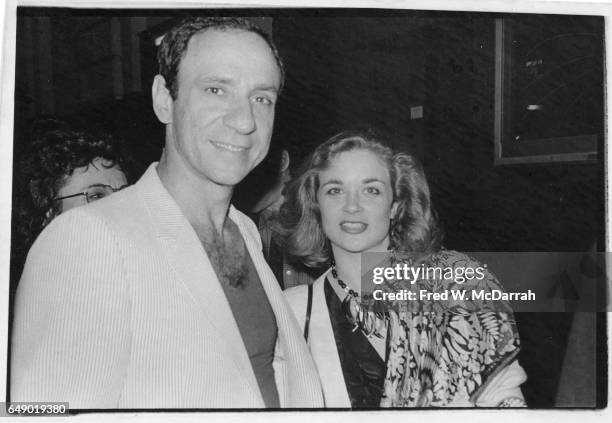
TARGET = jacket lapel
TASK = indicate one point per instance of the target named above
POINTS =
(323, 347)
(190, 262)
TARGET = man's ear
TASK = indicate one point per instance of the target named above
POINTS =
(162, 100)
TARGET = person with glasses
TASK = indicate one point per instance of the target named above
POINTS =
(96, 191)
(67, 169)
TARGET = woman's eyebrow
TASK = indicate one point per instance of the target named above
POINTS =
(332, 182)
(369, 180)
(98, 185)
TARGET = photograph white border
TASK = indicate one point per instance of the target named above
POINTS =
(7, 72)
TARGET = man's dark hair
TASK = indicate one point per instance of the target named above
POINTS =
(174, 44)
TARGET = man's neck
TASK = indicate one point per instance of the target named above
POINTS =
(204, 203)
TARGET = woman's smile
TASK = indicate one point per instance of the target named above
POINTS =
(353, 227)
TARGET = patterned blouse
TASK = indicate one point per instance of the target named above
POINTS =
(444, 352)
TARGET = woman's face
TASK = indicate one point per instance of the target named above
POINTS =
(94, 179)
(356, 202)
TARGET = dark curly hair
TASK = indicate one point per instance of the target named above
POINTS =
(413, 228)
(52, 159)
(175, 42)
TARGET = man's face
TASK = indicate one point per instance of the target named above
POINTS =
(223, 115)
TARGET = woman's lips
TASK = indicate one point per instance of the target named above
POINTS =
(353, 227)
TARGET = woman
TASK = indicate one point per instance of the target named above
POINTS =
(67, 169)
(356, 195)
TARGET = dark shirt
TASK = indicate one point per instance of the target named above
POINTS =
(363, 369)
(257, 325)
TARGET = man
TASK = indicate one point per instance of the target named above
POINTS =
(160, 297)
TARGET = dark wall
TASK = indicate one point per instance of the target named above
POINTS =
(346, 72)
(537, 207)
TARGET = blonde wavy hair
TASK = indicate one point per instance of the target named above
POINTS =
(413, 228)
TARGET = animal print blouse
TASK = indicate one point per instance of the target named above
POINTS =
(444, 352)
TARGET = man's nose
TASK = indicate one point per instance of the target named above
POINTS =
(352, 202)
(240, 117)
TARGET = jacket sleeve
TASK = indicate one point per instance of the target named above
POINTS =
(71, 332)
(504, 388)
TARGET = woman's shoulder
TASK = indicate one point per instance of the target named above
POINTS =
(453, 258)
(471, 338)
(462, 269)
(297, 295)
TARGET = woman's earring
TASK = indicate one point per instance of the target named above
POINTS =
(48, 217)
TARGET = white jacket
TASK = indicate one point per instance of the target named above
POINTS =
(119, 307)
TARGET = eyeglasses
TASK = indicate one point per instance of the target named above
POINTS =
(94, 193)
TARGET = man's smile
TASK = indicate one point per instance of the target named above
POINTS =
(228, 147)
